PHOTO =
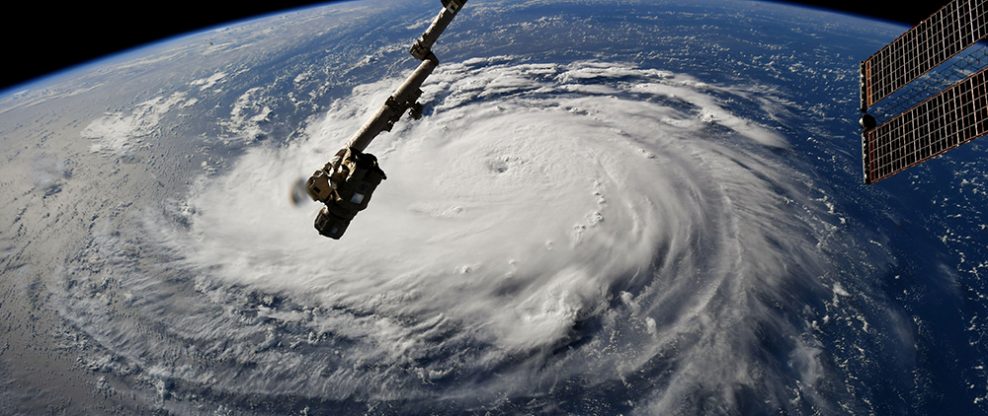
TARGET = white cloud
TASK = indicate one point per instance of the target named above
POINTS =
(521, 208)
(119, 131)
(208, 82)
(248, 116)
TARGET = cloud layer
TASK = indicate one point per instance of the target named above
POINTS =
(548, 223)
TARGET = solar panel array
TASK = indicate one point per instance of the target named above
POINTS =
(957, 25)
(956, 116)
(903, 72)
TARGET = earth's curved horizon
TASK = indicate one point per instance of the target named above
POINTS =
(648, 208)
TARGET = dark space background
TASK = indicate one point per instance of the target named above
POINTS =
(43, 37)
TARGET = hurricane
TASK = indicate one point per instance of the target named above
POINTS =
(551, 236)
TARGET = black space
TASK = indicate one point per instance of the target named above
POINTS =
(43, 37)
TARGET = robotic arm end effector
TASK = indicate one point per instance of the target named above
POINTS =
(345, 185)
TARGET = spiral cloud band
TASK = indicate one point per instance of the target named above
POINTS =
(545, 227)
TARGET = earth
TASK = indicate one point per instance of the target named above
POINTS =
(608, 208)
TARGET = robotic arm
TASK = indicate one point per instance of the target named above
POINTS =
(346, 182)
